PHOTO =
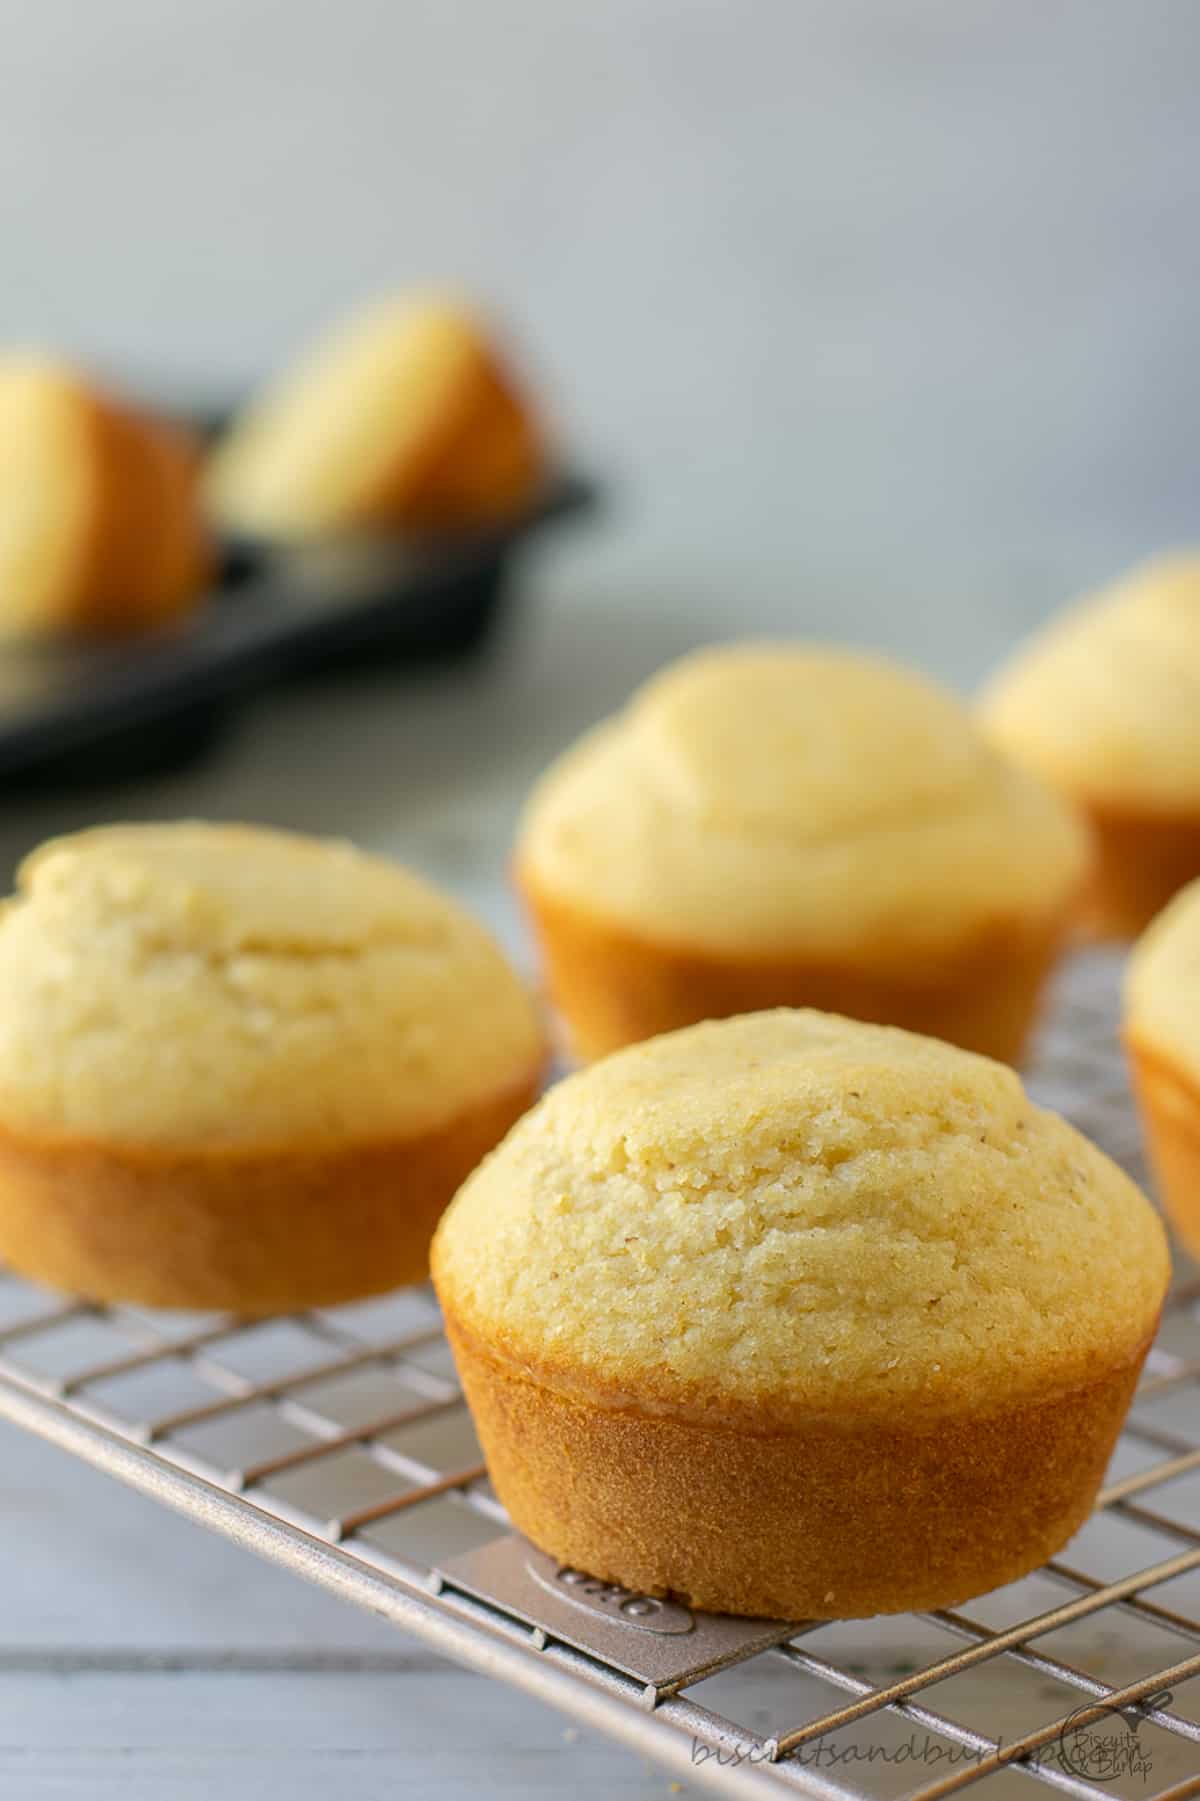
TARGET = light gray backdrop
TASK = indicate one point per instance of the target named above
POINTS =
(882, 313)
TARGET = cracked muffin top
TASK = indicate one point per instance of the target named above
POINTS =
(211, 985)
(799, 1212)
(774, 797)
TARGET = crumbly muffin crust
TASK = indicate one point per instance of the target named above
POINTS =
(199, 986)
(802, 1216)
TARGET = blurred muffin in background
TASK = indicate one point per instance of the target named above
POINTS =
(403, 417)
(101, 524)
(1104, 704)
(790, 825)
(1162, 1039)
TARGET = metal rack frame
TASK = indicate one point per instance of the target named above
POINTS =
(366, 1399)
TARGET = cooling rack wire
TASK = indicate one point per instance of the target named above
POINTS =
(337, 1443)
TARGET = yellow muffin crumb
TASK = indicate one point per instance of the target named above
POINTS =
(206, 985)
(796, 1212)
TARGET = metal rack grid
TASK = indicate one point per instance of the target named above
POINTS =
(337, 1443)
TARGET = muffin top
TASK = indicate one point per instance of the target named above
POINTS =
(1105, 701)
(1162, 982)
(373, 413)
(760, 798)
(800, 1212)
(194, 985)
(100, 517)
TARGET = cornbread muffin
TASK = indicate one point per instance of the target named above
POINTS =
(101, 527)
(242, 1069)
(1104, 704)
(1162, 1039)
(795, 825)
(795, 1316)
(404, 416)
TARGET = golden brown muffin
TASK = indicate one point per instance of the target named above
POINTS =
(1162, 1037)
(793, 825)
(404, 416)
(1104, 704)
(795, 1316)
(101, 528)
(242, 1069)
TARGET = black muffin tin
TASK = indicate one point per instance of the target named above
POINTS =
(80, 710)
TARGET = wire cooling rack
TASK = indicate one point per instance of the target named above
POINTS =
(337, 1443)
